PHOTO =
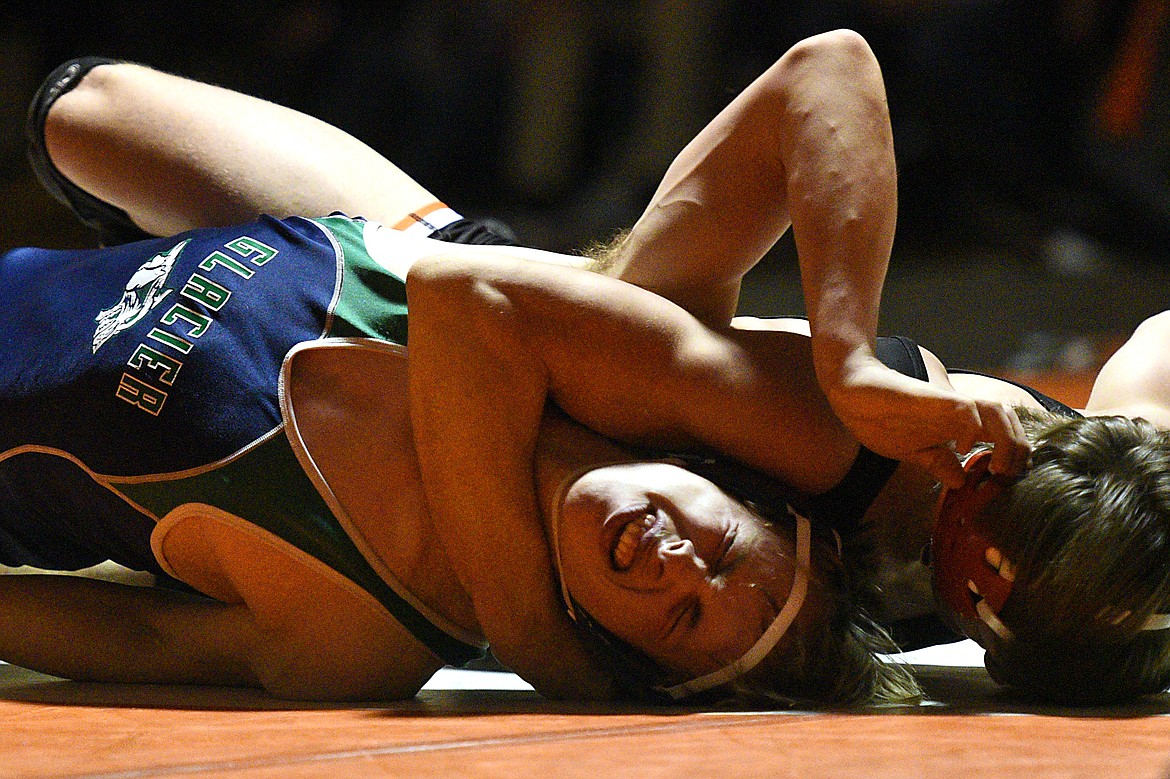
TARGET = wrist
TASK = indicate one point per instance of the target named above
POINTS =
(837, 360)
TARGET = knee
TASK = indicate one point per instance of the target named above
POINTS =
(75, 110)
(69, 139)
(71, 86)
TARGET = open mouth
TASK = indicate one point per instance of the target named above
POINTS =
(634, 529)
(626, 548)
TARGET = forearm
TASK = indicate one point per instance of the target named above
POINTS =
(177, 154)
(639, 369)
(476, 400)
(92, 630)
(841, 180)
(807, 144)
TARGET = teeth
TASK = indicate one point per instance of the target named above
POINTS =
(627, 545)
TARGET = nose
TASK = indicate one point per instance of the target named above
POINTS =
(680, 562)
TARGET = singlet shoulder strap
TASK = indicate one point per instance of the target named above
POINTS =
(1050, 404)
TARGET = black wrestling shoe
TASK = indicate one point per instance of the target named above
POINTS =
(112, 223)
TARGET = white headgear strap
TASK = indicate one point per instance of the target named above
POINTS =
(772, 635)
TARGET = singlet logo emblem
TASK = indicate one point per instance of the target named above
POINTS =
(143, 292)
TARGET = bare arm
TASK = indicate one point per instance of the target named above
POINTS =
(477, 396)
(808, 144)
(491, 342)
(626, 363)
(177, 154)
(476, 402)
(93, 630)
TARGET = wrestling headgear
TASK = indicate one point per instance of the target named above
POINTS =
(970, 574)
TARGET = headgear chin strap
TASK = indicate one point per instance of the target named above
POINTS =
(963, 576)
(772, 635)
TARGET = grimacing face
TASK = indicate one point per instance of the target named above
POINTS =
(671, 564)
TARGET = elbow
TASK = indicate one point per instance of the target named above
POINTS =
(454, 292)
(425, 274)
(824, 64)
(438, 282)
(837, 48)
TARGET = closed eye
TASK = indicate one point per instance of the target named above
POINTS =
(720, 566)
(689, 613)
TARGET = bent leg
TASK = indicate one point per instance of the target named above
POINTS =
(175, 154)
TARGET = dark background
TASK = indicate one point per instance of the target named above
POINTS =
(1033, 138)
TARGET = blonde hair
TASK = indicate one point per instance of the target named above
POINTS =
(834, 654)
(602, 255)
(836, 657)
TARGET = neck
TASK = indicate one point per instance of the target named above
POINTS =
(897, 527)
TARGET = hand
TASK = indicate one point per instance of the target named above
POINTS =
(906, 419)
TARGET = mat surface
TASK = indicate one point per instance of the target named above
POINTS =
(473, 724)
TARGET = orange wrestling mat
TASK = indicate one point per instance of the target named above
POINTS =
(968, 729)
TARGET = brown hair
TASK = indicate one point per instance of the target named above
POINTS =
(1088, 529)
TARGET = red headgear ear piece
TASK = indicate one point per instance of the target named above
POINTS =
(959, 548)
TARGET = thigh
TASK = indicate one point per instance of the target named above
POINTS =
(177, 154)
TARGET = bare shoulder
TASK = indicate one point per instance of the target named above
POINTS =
(1136, 379)
(973, 385)
(976, 385)
(982, 387)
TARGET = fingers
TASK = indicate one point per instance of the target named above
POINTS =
(971, 422)
(1002, 429)
(942, 463)
(910, 420)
